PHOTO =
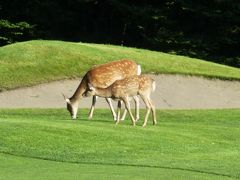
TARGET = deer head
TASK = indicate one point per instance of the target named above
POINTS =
(71, 107)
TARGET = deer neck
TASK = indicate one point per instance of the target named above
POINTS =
(78, 94)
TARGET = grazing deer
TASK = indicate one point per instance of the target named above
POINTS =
(129, 87)
(101, 76)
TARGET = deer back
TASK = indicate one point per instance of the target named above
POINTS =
(104, 75)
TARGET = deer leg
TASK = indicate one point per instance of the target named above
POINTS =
(112, 109)
(136, 99)
(124, 115)
(127, 105)
(145, 100)
(153, 112)
(94, 100)
(119, 111)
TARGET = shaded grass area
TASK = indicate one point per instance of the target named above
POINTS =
(185, 143)
(15, 167)
(33, 62)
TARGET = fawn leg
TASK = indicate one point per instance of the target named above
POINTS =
(111, 107)
(119, 111)
(136, 99)
(153, 112)
(145, 100)
(124, 113)
(127, 104)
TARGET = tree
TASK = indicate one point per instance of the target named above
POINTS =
(13, 32)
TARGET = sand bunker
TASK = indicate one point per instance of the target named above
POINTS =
(172, 92)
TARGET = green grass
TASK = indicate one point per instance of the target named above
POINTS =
(33, 62)
(186, 144)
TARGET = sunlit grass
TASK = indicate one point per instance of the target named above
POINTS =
(34, 62)
(193, 143)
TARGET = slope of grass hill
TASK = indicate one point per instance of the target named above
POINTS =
(33, 62)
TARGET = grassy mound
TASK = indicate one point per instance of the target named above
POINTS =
(34, 62)
(192, 144)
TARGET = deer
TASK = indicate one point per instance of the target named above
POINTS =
(102, 76)
(126, 88)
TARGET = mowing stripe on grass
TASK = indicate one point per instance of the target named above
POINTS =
(131, 165)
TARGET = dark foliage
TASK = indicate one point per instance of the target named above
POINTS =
(204, 29)
(12, 32)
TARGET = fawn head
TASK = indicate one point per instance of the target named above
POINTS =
(91, 90)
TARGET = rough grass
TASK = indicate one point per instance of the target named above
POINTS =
(34, 62)
(189, 144)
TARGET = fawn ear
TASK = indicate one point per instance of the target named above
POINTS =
(67, 100)
(91, 87)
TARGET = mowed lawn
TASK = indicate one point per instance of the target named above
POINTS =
(186, 144)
